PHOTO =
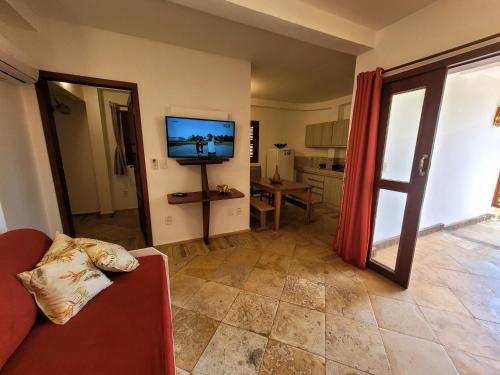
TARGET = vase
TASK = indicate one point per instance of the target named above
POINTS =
(276, 176)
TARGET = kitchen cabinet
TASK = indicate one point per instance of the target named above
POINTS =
(340, 133)
(332, 191)
(327, 134)
(316, 181)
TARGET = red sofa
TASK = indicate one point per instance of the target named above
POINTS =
(125, 329)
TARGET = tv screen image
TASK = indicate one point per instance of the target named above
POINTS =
(198, 138)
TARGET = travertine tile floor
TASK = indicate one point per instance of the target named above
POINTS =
(267, 303)
(122, 228)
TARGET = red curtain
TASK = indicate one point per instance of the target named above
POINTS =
(353, 232)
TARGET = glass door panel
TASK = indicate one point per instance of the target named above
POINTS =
(404, 121)
(388, 223)
(407, 125)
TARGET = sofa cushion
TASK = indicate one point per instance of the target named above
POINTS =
(63, 285)
(126, 329)
(108, 256)
(19, 251)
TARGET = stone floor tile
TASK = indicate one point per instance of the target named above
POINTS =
(300, 327)
(482, 306)
(192, 333)
(353, 303)
(283, 359)
(414, 356)
(402, 317)
(308, 269)
(335, 368)
(265, 282)
(273, 261)
(202, 266)
(469, 364)
(212, 300)
(282, 246)
(244, 256)
(231, 274)
(457, 331)
(304, 293)
(355, 344)
(232, 351)
(252, 312)
(437, 297)
(182, 287)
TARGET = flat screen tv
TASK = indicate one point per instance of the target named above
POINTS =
(199, 138)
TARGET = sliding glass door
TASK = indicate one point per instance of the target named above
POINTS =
(408, 119)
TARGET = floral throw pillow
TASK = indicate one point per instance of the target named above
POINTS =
(64, 280)
(105, 255)
(108, 256)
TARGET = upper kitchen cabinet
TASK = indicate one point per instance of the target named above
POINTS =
(327, 134)
(340, 133)
(314, 135)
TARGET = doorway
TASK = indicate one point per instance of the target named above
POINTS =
(409, 114)
(94, 139)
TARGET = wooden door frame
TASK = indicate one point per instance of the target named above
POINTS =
(467, 57)
(414, 188)
(54, 152)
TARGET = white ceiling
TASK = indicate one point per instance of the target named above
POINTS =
(283, 68)
(373, 14)
(294, 45)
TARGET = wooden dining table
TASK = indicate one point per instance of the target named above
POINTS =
(281, 189)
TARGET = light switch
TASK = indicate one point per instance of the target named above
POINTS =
(163, 163)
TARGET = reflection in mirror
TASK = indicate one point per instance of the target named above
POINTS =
(388, 223)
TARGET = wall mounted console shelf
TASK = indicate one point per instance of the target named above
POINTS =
(205, 196)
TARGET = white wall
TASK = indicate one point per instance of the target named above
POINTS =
(123, 188)
(286, 123)
(442, 25)
(166, 76)
(76, 153)
(20, 197)
(98, 146)
(466, 156)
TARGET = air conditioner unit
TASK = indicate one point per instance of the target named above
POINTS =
(15, 71)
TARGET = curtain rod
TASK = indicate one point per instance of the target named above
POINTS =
(443, 55)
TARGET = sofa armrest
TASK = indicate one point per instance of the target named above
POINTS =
(146, 252)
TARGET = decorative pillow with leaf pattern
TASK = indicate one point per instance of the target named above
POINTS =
(64, 280)
(105, 255)
(108, 256)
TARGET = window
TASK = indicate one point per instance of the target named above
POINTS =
(254, 141)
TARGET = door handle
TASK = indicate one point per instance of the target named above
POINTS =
(421, 164)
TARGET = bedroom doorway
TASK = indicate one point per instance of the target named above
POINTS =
(94, 139)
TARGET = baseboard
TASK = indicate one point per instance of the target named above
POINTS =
(210, 237)
(472, 221)
(436, 228)
(86, 213)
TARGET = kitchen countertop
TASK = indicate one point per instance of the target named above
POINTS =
(322, 172)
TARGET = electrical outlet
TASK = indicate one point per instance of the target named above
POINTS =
(154, 163)
(125, 193)
(168, 220)
(239, 211)
(230, 211)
